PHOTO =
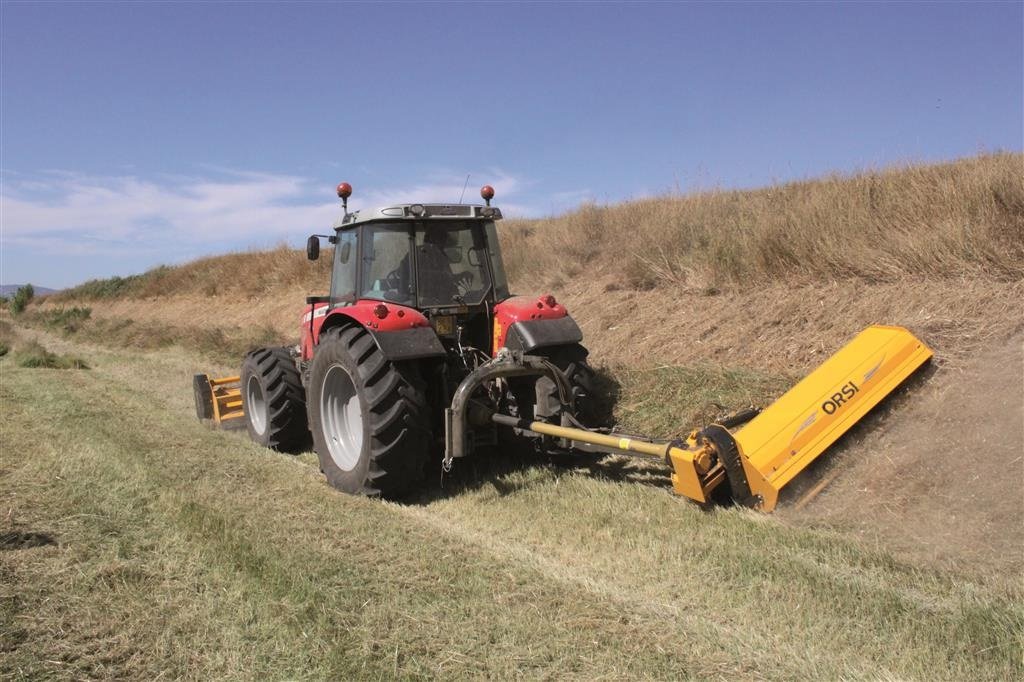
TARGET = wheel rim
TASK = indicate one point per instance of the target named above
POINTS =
(256, 405)
(341, 418)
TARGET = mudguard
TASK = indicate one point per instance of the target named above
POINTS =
(408, 344)
(528, 335)
(403, 334)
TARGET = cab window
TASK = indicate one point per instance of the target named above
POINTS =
(343, 281)
(387, 274)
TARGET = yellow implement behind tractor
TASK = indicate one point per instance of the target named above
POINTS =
(219, 400)
(760, 458)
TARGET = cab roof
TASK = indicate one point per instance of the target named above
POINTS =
(419, 212)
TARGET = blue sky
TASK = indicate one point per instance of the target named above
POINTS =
(146, 133)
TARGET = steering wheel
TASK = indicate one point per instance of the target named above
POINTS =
(392, 280)
(463, 280)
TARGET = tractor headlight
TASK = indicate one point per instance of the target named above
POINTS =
(417, 210)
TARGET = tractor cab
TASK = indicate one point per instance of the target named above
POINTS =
(424, 263)
(437, 265)
(423, 256)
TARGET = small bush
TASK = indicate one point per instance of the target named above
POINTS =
(66, 320)
(34, 355)
(97, 289)
(6, 337)
(21, 298)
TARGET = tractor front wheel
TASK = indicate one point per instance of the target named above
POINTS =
(368, 416)
(273, 400)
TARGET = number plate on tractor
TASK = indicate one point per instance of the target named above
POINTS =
(444, 324)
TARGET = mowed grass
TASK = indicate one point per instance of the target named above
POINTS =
(221, 344)
(140, 543)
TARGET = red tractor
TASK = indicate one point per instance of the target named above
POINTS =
(420, 348)
(418, 302)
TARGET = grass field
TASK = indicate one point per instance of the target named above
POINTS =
(139, 543)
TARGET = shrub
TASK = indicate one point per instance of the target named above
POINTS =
(34, 355)
(21, 298)
(67, 320)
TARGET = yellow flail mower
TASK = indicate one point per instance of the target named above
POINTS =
(777, 443)
(420, 349)
(219, 400)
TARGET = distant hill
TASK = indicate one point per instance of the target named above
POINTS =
(9, 289)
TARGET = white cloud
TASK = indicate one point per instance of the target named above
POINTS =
(130, 209)
(61, 227)
(235, 206)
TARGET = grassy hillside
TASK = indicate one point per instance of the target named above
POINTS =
(952, 220)
(945, 221)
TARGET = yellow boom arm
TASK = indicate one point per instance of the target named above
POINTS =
(769, 451)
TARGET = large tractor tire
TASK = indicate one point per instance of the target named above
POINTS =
(368, 416)
(572, 360)
(273, 400)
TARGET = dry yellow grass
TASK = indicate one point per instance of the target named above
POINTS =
(964, 218)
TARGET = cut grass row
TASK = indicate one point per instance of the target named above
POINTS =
(33, 354)
(184, 552)
(665, 400)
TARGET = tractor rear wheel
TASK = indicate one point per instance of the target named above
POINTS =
(273, 400)
(368, 416)
(572, 360)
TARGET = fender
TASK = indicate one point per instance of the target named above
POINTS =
(401, 334)
(525, 324)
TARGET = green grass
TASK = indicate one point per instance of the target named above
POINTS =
(142, 544)
(670, 400)
(64, 320)
(34, 355)
(219, 344)
(113, 287)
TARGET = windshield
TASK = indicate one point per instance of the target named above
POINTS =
(450, 264)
